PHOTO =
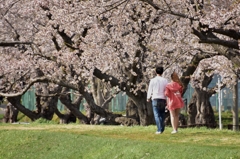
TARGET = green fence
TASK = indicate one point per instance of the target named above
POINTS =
(117, 104)
(29, 100)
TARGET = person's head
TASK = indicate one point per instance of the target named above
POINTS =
(175, 78)
(159, 70)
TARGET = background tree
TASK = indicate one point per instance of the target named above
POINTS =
(119, 42)
(200, 110)
(65, 49)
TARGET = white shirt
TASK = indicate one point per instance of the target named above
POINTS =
(157, 87)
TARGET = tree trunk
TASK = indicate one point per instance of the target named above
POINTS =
(73, 107)
(205, 115)
(132, 110)
(144, 108)
(90, 114)
(11, 114)
(235, 108)
(192, 109)
(66, 118)
(16, 102)
(200, 109)
(46, 106)
(1, 99)
(100, 93)
(132, 116)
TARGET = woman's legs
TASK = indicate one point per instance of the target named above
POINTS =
(172, 115)
(174, 118)
(177, 111)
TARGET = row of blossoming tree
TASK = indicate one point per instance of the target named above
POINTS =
(99, 48)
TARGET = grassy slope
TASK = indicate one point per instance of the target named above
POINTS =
(50, 141)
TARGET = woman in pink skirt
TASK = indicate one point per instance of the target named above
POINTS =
(174, 91)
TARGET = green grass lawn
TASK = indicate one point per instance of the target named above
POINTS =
(75, 141)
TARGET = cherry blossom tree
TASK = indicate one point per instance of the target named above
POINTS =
(215, 23)
(119, 42)
(75, 55)
(200, 110)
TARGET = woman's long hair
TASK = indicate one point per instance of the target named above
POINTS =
(175, 78)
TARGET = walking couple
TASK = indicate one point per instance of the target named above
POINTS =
(165, 95)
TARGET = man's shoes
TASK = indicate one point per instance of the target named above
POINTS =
(158, 132)
(174, 132)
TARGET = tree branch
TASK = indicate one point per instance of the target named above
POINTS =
(114, 5)
(43, 79)
(214, 89)
(230, 33)
(155, 6)
(214, 40)
(10, 7)
(231, 44)
(191, 69)
(108, 100)
(13, 43)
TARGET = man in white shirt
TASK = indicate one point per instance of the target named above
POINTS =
(155, 92)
